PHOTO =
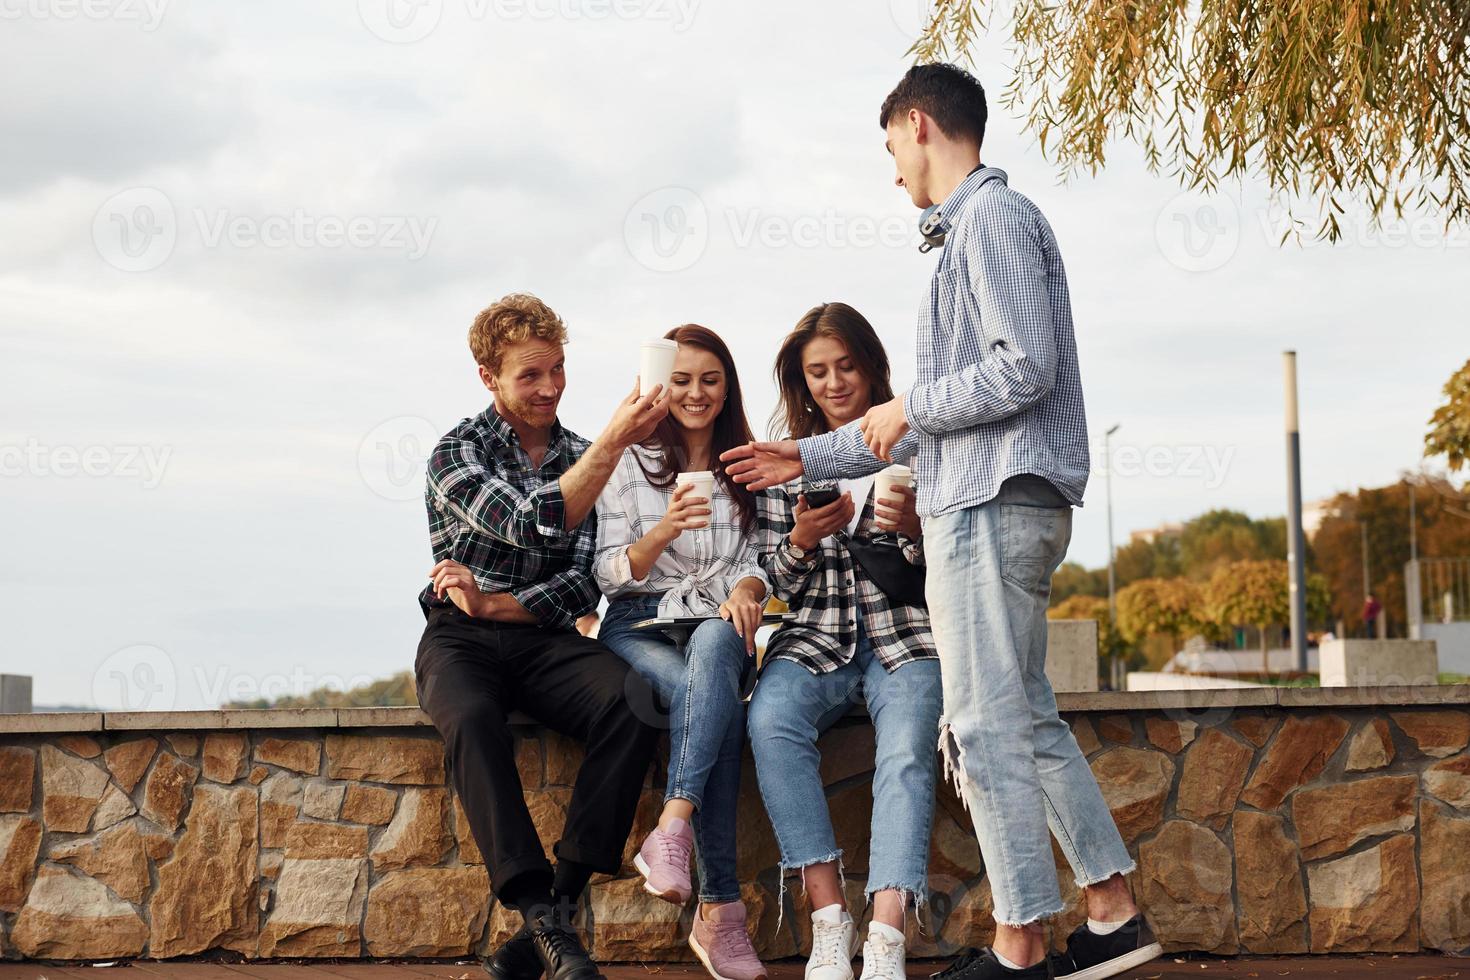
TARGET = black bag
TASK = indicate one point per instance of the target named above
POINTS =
(884, 562)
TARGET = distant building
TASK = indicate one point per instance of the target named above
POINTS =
(1314, 512)
(1151, 534)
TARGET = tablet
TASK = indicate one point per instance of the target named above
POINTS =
(692, 622)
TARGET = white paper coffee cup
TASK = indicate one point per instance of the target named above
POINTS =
(896, 475)
(704, 487)
(656, 365)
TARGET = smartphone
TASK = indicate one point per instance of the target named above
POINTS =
(821, 498)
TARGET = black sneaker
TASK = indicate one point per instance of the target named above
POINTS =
(1095, 957)
(560, 951)
(981, 964)
(516, 959)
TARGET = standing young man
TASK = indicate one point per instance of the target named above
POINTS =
(510, 494)
(997, 427)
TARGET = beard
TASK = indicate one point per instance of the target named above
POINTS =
(541, 416)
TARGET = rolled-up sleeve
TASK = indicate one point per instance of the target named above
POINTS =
(460, 483)
(785, 576)
(843, 455)
(611, 568)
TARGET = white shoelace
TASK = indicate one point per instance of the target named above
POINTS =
(828, 947)
(886, 961)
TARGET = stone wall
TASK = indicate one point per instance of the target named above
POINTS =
(1266, 821)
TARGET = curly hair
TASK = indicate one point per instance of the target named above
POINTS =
(510, 320)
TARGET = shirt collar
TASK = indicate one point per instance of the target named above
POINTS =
(978, 178)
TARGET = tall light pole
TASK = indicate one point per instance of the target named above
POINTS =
(1112, 590)
(1296, 543)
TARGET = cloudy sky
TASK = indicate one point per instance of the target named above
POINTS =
(243, 243)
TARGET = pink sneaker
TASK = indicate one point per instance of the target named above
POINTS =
(723, 946)
(663, 861)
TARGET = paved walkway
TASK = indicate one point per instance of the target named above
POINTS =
(1375, 967)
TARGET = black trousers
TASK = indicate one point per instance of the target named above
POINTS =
(471, 673)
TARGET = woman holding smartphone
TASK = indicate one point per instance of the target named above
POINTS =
(851, 641)
(666, 546)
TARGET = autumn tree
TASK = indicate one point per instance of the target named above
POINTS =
(1449, 426)
(1255, 593)
(1442, 518)
(1328, 101)
(1172, 607)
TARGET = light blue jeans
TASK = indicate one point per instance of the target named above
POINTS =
(1013, 759)
(792, 707)
(704, 743)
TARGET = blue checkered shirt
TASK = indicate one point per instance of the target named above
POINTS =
(998, 392)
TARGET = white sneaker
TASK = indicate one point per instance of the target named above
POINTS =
(883, 953)
(834, 943)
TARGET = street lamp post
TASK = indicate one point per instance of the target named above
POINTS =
(1296, 545)
(1112, 591)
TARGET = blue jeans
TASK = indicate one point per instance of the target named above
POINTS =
(705, 743)
(792, 707)
(1013, 759)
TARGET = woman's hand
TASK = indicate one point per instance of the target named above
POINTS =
(456, 583)
(814, 524)
(904, 518)
(743, 611)
(686, 512)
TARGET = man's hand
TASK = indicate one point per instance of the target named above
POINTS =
(814, 524)
(743, 611)
(762, 465)
(903, 518)
(456, 583)
(883, 427)
(636, 418)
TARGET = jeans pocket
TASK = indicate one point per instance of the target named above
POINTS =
(1033, 543)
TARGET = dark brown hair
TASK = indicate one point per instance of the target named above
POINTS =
(948, 94)
(731, 428)
(798, 413)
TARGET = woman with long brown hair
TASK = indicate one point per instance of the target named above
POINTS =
(861, 634)
(675, 538)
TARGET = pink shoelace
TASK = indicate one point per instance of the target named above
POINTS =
(673, 848)
(732, 942)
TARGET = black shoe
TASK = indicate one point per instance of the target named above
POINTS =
(559, 949)
(516, 959)
(1095, 957)
(981, 964)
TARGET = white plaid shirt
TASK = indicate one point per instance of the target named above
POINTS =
(830, 589)
(694, 574)
(999, 392)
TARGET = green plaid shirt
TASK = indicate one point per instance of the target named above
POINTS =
(491, 510)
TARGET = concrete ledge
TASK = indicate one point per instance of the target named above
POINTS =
(413, 717)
